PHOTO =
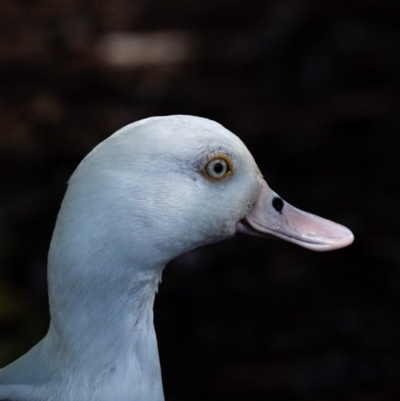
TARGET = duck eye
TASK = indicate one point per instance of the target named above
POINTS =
(217, 168)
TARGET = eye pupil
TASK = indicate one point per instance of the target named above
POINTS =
(218, 167)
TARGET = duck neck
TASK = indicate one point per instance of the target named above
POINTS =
(101, 306)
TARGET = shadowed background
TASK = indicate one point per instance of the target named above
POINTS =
(312, 88)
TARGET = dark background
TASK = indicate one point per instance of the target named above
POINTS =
(312, 88)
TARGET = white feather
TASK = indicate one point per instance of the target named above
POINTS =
(138, 200)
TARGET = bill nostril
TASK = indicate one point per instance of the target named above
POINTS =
(278, 204)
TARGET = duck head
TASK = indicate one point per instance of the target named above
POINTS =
(178, 182)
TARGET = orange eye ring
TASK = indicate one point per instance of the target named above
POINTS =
(218, 168)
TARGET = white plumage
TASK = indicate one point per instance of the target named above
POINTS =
(142, 197)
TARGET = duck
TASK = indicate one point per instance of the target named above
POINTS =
(155, 189)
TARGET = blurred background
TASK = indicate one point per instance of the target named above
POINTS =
(312, 88)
